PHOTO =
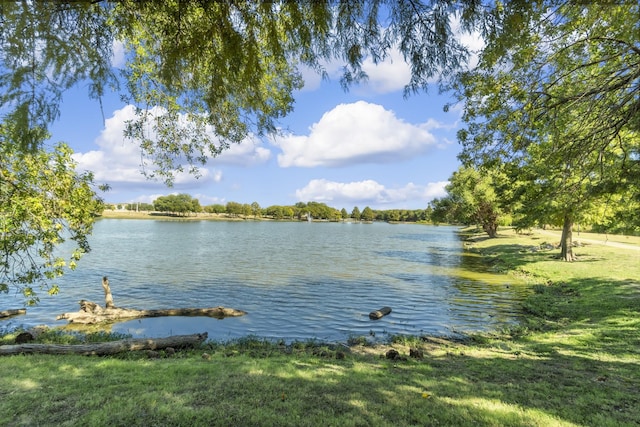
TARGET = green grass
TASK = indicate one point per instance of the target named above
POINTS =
(573, 360)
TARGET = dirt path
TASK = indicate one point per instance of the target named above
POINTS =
(593, 241)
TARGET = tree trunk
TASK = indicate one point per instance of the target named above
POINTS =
(108, 298)
(488, 217)
(106, 348)
(566, 241)
(491, 229)
(92, 313)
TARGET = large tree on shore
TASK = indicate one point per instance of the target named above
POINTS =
(473, 198)
(560, 104)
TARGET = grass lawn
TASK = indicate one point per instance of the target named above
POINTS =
(573, 361)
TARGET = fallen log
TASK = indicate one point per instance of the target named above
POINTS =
(92, 313)
(107, 348)
(12, 312)
(378, 314)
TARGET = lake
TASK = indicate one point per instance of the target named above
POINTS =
(296, 280)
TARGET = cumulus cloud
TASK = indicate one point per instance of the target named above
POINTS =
(119, 161)
(352, 134)
(368, 192)
(391, 75)
(248, 153)
(387, 76)
(117, 54)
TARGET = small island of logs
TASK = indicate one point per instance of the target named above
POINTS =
(92, 313)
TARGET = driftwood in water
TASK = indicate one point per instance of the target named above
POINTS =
(108, 298)
(378, 314)
(105, 348)
(91, 313)
(12, 312)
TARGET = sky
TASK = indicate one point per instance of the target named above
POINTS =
(369, 146)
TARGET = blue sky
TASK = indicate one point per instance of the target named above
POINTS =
(366, 147)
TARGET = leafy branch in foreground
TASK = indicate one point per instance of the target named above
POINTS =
(43, 202)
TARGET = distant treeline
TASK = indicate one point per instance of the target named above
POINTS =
(184, 205)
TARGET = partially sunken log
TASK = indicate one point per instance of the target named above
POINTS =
(378, 314)
(12, 312)
(106, 348)
(92, 313)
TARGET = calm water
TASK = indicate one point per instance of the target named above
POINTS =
(296, 280)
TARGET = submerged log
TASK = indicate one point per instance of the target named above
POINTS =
(378, 314)
(92, 313)
(12, 312)
(106, 348)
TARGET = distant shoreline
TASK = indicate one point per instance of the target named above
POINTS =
(205, 216)
(118, 214)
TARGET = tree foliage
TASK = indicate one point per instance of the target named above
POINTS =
(558, 104)
(180, 204)
(474, 197)
(43, 203)
(203, 75)
(45, 49)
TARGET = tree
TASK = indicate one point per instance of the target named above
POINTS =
(355, 213)
(344, 214)
(255, 209)
(234, 208)
(559, 104)
(215, 208)
(393, 215)
(181, 204)
(367, 214)
(277, 212)
(287, 211)
(573, 193)
(140, 207)
(43, 203)
(473, 197)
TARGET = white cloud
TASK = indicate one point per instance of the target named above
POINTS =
(369, 192)
(391, 75)
(118, 54)
(248, 153)
(355, 133)
(472, 41)
(312, 79)
(119, 161)
(388, 76)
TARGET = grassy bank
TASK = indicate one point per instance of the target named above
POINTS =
(574, 360)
